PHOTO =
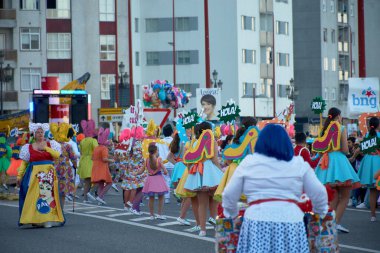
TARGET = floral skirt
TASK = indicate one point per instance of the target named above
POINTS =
(268, 236)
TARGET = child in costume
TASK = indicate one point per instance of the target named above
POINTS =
(204, 171)
(5, 159)
(155, 183)
(39, 196)
(100, 171)
(334, 169)
(301, 150)
(370, 165)
(63, 163)
(15, 160)
(87, 146)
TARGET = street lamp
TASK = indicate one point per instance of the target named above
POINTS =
(5, 76)
(217, 84)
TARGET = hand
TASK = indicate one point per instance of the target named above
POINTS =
(18, 183)
(165, 172)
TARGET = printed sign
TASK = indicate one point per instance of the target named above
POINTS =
(229, 113)
(369, 144)
(318, 105)
(363, 95)
(190, 120)
(208, 102)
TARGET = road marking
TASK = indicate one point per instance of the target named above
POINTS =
(360, 210)
(101, 211)
(359, 248)
(168, 223)
(140, 219)
(79, 208)
(207, 227)
(119, 214)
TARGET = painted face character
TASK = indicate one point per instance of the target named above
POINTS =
(208, 109)
(46, 191)
(39, 134)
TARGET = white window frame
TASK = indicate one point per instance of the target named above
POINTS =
(333, 94)
(183, 57)
(30, 72)
(137, 58)
(63, 10)
(324, 5)
(30, 34)
(245, 52)
(152, 58)
(108, 13)
(281, 90)
(30, 5)
(278, 23)
(243, 23)
(332, 6)
(107, 53)
(325, 35)
(326, 63)
(137, 25)
(105, 83)
(351, 10)
(279, 57)
(326, 93)
(246, 88)
(333, 64)
(54, 41)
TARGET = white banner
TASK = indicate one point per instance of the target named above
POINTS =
(209, 100)
(363, 95)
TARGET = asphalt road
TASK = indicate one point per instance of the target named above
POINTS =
(93, 228)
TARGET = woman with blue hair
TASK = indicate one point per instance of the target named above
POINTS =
(273, 182)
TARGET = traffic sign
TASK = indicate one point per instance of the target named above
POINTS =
(160, 115)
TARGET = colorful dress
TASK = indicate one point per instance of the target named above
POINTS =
(135, 163)
(339, 171)
(64, 170)
(5, 157)
(155, 184)
(39, 196)
(87, 146)
(15, 161)
(368, 167)
(179, 167)
(100, 169)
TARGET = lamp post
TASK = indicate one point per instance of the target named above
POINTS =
(5, 76)
(121, 71)
(217, 84)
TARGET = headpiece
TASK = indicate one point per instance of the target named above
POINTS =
(103, 136)
(33, 127)
(88, 128)
(45, 178)
(60, 131)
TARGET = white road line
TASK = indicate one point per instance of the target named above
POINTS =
(80, 208)
(207, 227)
(168, 223)
(360, 210)
(119, 214)
(359, 248)
(140, 219)
(101, 211)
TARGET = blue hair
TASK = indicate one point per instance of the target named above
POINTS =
(273, 141)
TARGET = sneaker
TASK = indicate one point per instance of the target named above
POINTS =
(152, 217)
(167, 201)
(135, 212)
(160, 217)
(114, 186)
(127, 209)
(362, 206)
(202, 233)
(48, 224)
(183, 221)
(342, 229)
(101, 201)
(89, 195)
(373, 219)
(5, 186)
(68, 198)
(142, 204)
(86, 202)
(349, 202)
(129, 204)
(195, 229)
(212, 221)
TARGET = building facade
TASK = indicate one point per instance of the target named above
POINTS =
(250, 46)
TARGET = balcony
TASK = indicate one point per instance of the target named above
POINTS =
(266, 38)
(7, 18)
(266, 71)
(266, 6)
(10, 96)
(10, 55)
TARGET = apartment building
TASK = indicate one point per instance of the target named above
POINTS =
(250, 46)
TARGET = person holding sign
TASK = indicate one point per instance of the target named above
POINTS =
(334, 169)
(370, 164)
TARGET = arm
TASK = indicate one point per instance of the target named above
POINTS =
(215, 159)
(9, 152)
(232, 193)
(54, 153)
(306, 157)
(162, 167)
(316, 192)
(21, 172)
(170, 158)
(344, 145)
(105, 157)
(142, 169)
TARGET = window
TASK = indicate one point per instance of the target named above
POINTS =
(136, 25)
(248, 23)
(351, 10)
(166, 24)
(107, 10)
(30, 79)
(107, 47)
(58, 9)
(189, 87)
(353, 67)
(106, 82)
(58, 45)
(326, 63)
(266, 55)
(266, 22)
(249, 56)
(332, 6)
(266, 88)
(324, 34)
(64, 78)
(2, 41)
(152, 24)
(137, 60)
(324, 5)
(182, 24)
(282, 27)
(183, 57)
(333, 64)
(138, 91)
(282, 90)
(333, 35)
(29, 4)
(248, 89)
(326, 94)
(30, 38)
(353, 38)
(282, 1)
(282, 59)
(152, 58)
(343, 92)
(333, 94)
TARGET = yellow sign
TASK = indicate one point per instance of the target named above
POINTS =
(111, 111)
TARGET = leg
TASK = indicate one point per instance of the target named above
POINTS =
(195, 206)
(151, 205)
(160, 204)
(203, 203)
(342, 203)
(334, 202)
(105, 189)
(213, 205)
(186, 202)
(127, 193)
(133, 194)
(138, 197)
(87, 185)
(372, 201)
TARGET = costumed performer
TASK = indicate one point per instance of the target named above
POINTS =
(334, 169)
(87, 146)
(5, 159)
(15, 160)
(39, 195)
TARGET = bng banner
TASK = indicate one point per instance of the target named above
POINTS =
(363, 95)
